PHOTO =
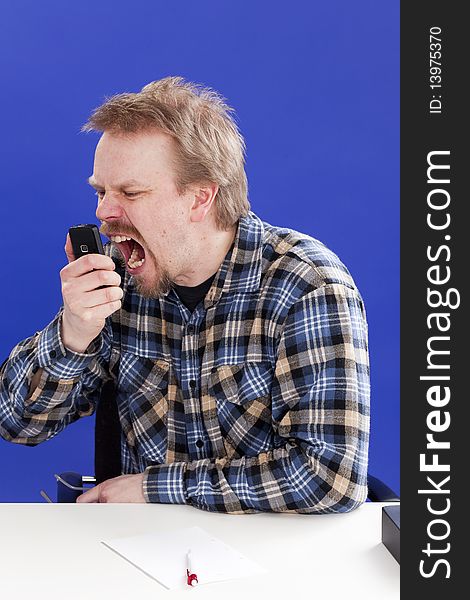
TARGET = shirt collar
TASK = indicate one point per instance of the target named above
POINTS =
(241, 269)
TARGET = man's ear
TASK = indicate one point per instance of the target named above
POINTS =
(204, 197)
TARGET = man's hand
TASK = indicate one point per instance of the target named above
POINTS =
(86, 303)
(125, 488)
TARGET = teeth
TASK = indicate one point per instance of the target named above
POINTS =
(134, 265)
(119, 238)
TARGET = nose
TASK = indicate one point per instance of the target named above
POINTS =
(108, 208)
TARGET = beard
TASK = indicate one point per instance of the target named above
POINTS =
(160, 285)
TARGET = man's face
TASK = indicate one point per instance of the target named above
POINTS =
(137, 198)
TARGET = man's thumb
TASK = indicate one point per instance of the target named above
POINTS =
(69, 250)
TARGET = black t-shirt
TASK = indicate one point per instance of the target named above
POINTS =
(191, 296)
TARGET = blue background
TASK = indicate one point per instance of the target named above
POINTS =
(315, 86)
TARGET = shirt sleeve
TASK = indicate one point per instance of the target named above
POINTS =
(321, 414)
(67, 390)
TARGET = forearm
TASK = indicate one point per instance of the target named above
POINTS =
(292, 478)
(69, 344)
(44, 387)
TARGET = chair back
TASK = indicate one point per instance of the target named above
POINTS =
(107, 435)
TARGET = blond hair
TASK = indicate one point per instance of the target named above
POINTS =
(209, 146)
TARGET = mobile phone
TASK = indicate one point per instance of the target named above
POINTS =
(85, 239)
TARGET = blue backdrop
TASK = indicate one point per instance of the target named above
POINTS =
(316, 89)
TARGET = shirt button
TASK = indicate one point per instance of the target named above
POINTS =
(35, 369)
(199, 443)
(214, 370)
(191, 329)
(52, 353)
(192, 384)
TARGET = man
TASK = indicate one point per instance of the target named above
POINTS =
(238, 349)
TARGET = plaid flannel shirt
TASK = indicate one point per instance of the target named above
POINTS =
(256, 401)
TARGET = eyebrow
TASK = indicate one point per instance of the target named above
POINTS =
(121, 186)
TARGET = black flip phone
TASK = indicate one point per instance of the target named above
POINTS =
(85, 239)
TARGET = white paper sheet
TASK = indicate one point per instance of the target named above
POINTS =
(163, 557)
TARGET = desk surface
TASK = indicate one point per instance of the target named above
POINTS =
(53, 551)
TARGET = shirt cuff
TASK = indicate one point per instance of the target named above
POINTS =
(165, 484)
(59, 361)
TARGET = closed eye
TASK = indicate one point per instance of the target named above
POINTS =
(100, 194)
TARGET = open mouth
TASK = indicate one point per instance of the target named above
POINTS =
(132, 251)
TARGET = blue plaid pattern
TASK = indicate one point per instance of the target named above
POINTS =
(258, 400)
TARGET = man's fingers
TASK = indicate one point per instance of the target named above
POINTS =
(85, 264)
(91, 495)
(100, 297)
(95, 279)
(125, 488)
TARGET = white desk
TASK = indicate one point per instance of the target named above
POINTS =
(53, 551)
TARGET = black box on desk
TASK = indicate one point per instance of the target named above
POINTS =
(391, 530)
